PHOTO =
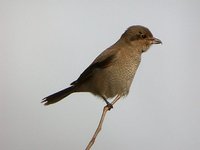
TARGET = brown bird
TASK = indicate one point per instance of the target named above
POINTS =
(112, 72)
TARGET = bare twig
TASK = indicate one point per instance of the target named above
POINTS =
(105, 109)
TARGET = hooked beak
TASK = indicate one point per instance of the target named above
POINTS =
(155, 41)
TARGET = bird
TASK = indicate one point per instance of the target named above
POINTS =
(111, 73)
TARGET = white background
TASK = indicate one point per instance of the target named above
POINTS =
(45, 45)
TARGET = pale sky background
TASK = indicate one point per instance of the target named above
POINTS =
(45, 45)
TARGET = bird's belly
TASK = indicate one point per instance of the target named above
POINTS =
(114, 80)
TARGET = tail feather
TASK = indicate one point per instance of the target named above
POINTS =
(54, 98)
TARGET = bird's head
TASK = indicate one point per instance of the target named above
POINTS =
(140, 37)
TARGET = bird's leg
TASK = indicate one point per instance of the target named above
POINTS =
(109, 105)
(105, 109)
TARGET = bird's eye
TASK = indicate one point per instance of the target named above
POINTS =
(143, 36)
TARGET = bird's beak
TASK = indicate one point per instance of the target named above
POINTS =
(155, 41)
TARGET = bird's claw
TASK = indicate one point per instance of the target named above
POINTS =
(109, 106)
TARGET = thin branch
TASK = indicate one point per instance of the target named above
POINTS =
(105, 109)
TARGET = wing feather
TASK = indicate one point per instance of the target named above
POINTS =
(88, 73)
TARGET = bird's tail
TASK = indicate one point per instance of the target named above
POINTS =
(54, 98)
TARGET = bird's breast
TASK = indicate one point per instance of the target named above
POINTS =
(117, 78)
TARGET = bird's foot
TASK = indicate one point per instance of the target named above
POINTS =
(109, 106)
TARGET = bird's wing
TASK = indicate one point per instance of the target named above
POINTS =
(97, 64)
